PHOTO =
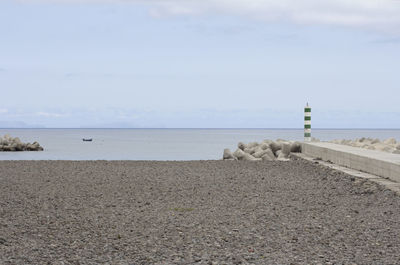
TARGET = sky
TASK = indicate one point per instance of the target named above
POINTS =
(199, 64)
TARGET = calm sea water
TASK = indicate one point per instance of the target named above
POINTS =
(158, 144)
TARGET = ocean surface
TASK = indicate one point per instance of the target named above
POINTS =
(159, 144)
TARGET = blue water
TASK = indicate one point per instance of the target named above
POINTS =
(158, 144)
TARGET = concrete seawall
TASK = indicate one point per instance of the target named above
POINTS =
(374, 162)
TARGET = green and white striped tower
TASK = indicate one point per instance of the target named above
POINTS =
(307, 123)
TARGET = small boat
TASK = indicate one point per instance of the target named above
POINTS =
(87, 139)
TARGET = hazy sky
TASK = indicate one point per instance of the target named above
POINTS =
(203, 63)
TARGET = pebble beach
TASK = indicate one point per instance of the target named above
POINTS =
(193, 212)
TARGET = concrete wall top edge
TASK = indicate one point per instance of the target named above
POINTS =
(388, 157)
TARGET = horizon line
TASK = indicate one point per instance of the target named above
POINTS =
(184, 128)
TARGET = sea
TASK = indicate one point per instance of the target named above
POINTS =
(161, 144)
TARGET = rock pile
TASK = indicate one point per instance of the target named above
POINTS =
(389, 145)
(11, 144)
(266, 150)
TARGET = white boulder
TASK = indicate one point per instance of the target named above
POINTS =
(266, 150)
(228, 154)
(8, 143)
(249, 157)
(252, 145)
(249, 150)
(282, 157)
(239, 154)
(295, 148)
(375, 141)
(275, 146)
(286, 147)
(241, 146)
(269, 155)
(264, 146)
(260, 153)
(390, 141)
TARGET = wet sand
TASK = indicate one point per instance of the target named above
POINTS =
(199, 212)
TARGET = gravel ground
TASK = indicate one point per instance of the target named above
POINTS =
(200, 212)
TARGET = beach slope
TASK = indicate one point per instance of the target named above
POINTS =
(198, 212)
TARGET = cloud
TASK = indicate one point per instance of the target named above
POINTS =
(376, 14)
(3, 111)
(49, 114)
(87, 75)
(387, 41)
